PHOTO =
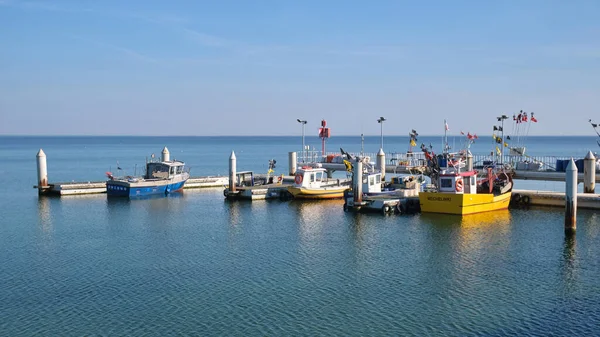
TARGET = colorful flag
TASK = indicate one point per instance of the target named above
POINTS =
(498, 151)
(446, 125)
(533, 119)
(462, 133)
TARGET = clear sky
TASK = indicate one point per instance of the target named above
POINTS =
(254, 67)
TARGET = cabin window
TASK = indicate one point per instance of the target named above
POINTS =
(446, 183)
(158, 171)
(371, 181)
(312, 178)
(179, 169)
(377, 178)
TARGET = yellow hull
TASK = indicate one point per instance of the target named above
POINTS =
(322, 193)
(451, 203)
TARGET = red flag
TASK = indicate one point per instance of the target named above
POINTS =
(475, 136)
(533, 119)
(524, 119)
(462, 133)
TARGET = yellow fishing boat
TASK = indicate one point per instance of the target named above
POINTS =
(312, 183)
(460, 193)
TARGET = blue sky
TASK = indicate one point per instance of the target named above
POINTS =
(254, 67)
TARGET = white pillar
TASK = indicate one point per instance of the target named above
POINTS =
(166, 156)
(380, 164)
(232, 171)
(292, 163)
(571, 198)
(42, 170)
(469, 163)
(357, 181)
(589, 173)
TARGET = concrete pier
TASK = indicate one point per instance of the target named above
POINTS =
(571, 198)
(589, 173)
(42, 172)
(165, 155)
(380, 163)
(357, 182)
(232, 172)
(292, 163)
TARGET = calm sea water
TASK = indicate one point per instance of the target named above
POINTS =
(195, 264)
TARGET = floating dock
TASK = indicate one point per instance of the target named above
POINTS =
(97, 187)
(554, 199)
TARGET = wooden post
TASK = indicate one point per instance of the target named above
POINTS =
(166, 156)
(571, 198)
(380, 164)
(292, 163)
(357, 181)
(232, 171)
(589, 173)
(42, 171)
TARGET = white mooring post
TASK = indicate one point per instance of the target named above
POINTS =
(292, 163)
(357, 181)
(589, 173)
(571, 198)
(469, 164)
(42, 171)
(380, 164)
(166, 156)
(232, 171)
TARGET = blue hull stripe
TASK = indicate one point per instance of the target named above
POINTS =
(132, 191)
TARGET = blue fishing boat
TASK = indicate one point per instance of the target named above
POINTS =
(162, 177)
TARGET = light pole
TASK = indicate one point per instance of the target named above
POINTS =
(501, 120)
(380, 121)
(303, 147)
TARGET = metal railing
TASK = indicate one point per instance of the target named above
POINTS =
(417, 159)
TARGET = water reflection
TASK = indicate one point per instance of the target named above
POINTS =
(312, 216)
(568, 263)
(45, 213)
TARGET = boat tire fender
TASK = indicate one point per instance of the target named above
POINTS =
(525, 200)
(516, 198)
(399, 208)
(386, 209)
(345, 207)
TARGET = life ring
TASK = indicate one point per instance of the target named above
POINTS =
(279, 179)
(298, 179)
(459, 185)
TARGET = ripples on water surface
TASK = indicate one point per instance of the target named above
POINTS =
(194, 264)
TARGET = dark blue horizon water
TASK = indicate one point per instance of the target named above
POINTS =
(195, 264)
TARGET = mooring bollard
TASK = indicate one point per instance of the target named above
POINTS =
(589, 173)
(571, 198)
(293, 163)
(380, 165)
(232, 171)
(357, 181)
(42, 171)
(166, 156)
